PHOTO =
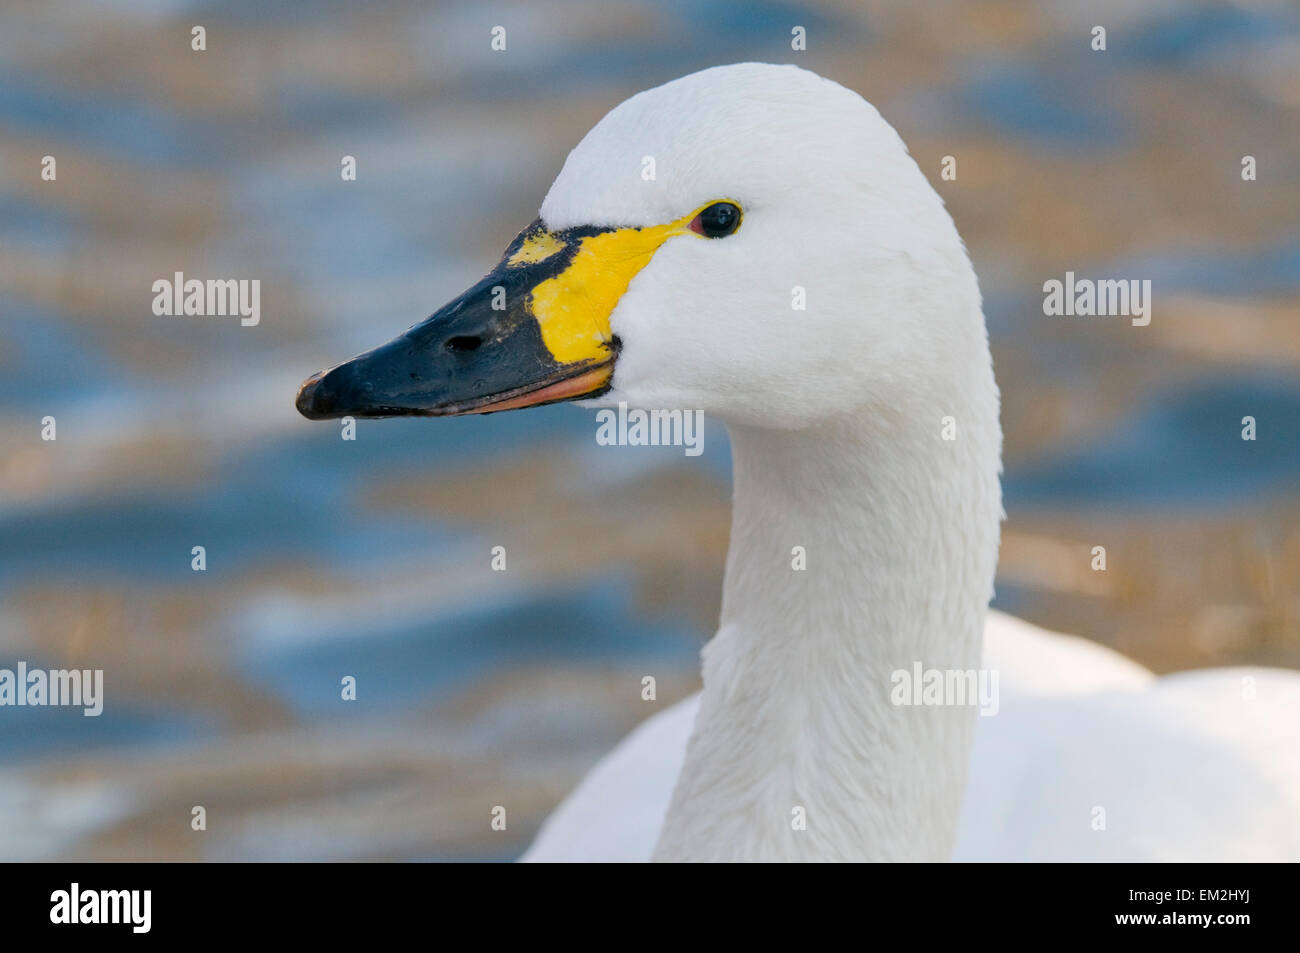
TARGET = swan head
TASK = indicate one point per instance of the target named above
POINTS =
(752, 241)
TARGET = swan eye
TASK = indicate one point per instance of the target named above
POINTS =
(717, 221)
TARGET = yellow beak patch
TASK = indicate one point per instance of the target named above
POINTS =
(573, 306)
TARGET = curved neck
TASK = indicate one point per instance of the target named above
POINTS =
(858, 550)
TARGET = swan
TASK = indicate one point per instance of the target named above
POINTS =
(666, 270)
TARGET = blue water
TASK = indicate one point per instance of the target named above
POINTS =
(1208, 30)
(50, 363)
(117, 124)
(1182, 449)
(31, 732)
(1049, 109)
(421, 662)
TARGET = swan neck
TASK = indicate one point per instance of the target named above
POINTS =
(859, 550)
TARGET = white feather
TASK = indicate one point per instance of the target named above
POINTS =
(1187, 767)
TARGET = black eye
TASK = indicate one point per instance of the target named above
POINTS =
(717, 221)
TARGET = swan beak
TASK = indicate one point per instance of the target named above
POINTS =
(535, 330)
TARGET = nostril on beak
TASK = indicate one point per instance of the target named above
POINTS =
(463, 342)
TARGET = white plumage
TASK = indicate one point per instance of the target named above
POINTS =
(1186, 767)
(865, 435)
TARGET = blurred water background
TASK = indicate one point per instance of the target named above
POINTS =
(371, 558)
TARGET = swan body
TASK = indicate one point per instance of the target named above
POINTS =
(754, 241)
(1190, 767)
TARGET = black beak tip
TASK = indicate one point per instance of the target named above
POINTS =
(314, 401)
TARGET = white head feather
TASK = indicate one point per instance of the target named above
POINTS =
(832, 204)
